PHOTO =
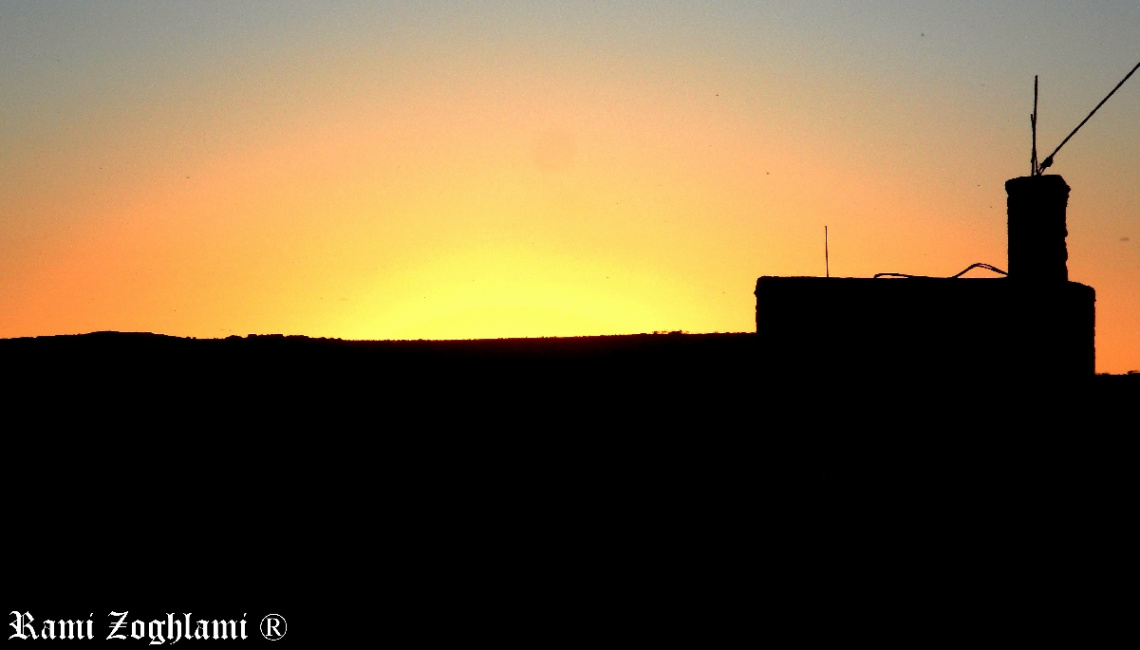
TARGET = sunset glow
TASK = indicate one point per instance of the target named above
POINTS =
(482, 170)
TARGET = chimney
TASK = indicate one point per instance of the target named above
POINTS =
(1035, 209)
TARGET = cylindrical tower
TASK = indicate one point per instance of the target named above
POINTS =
(1035, 210)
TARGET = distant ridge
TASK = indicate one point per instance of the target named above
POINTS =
(718, 346)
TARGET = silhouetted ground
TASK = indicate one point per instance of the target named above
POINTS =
(660, 486)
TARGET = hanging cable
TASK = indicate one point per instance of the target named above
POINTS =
(959, 274)
(1049, 159)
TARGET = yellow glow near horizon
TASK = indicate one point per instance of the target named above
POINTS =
(464, 172)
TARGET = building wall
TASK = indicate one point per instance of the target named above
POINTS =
(989, 328)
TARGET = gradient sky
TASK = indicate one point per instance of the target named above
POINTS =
(381, 170)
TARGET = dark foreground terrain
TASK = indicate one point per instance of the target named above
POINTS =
(523, 492)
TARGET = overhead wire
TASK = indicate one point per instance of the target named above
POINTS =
(978, 265)
(1049, 159)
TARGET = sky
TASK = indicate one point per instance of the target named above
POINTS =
(407, 170)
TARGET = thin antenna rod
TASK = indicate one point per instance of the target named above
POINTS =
(826, 261)
(1049, 159)
(1033, 170)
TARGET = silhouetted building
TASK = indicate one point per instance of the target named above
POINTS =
(1033, 323)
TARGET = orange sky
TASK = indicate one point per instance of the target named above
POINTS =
(454, 170)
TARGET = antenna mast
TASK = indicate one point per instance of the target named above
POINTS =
(1033, 170)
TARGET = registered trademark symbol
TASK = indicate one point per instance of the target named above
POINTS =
(273, 627)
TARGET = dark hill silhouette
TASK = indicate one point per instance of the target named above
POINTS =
(648, 384)
(667, 468)
(650, 379)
